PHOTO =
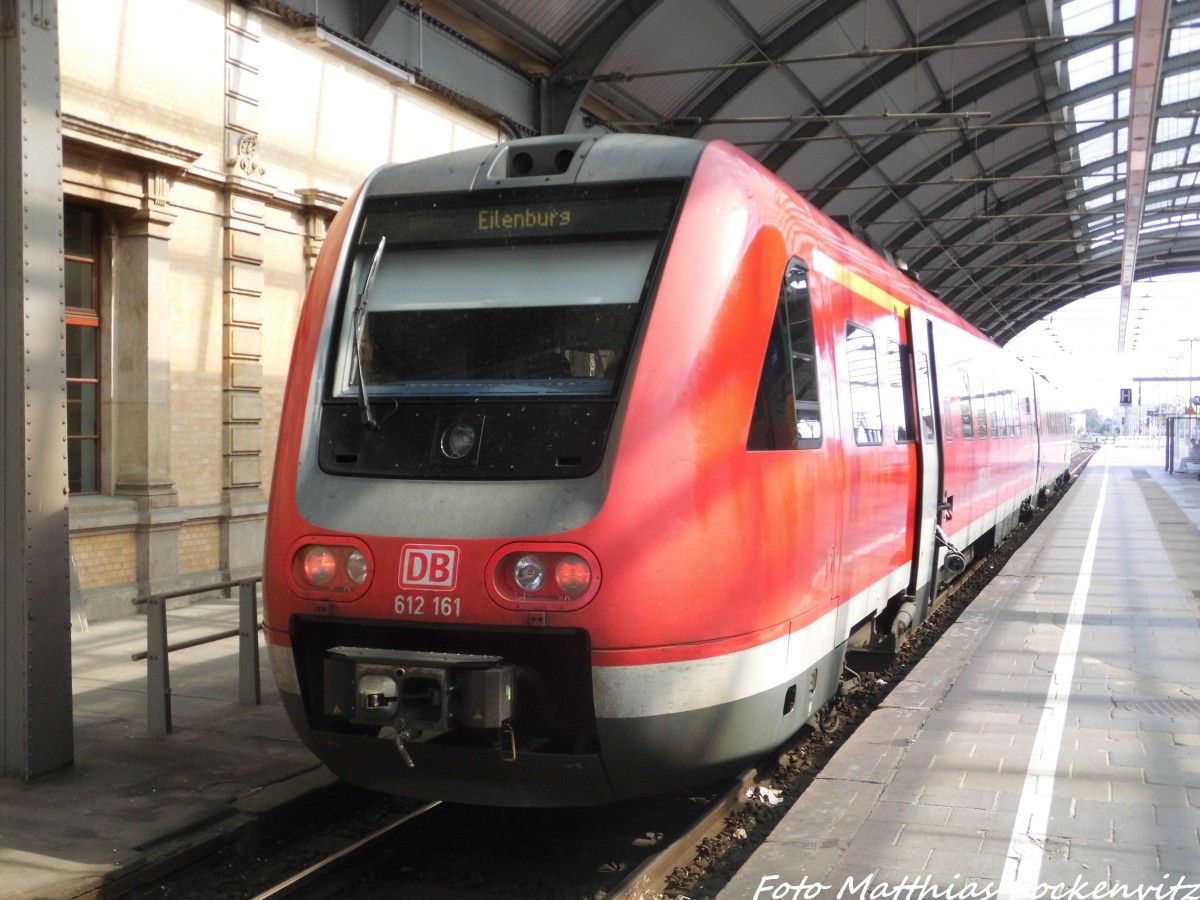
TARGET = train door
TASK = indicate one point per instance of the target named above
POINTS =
(923, 583)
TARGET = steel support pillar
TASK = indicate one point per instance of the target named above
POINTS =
(35, 603)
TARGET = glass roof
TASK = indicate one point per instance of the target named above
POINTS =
(1017, 155)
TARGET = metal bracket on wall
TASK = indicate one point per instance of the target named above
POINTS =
(40, 14)
(40, 11)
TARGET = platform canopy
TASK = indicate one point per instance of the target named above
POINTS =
(1015, 155)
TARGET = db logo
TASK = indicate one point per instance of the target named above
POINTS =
(428, 566)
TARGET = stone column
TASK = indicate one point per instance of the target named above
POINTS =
(141, 390)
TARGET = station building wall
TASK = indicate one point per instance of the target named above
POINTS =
(206, 147)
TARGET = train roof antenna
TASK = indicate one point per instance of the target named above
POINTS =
(360, 321)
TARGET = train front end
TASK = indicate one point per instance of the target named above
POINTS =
(446, 444)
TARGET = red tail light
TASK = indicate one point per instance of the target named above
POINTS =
(573, 575)
(318, 565)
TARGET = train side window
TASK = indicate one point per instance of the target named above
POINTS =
(797, 301)
(787, 409)
(770, 423)
(968, 431)
(899, 390)
(862, 370)
(994, 424)
(924, 397)
(979, 404)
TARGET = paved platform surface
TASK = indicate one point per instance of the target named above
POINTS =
(135, 800)
(1049, 745)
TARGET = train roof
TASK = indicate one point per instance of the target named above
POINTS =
(543, 161)
(601, 158)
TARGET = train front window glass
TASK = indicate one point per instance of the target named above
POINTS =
(863, 372)
(899, 390)
(528, 319)
(787, 410)
(531, 299)
(924, 397)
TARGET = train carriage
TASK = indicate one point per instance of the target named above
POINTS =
(598, 455)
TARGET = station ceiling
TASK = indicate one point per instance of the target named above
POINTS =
(1017, 156)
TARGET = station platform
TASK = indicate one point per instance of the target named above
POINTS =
(1049, 744)
(136, 802)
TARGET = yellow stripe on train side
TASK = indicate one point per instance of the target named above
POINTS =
(835, 271)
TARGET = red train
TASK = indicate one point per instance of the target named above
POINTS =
(599, 454)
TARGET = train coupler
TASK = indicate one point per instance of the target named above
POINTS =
(420, 694)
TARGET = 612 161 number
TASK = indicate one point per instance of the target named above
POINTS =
(436, 607)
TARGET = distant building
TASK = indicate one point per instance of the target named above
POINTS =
(206, 147)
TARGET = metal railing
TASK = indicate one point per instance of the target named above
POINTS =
(158, 675)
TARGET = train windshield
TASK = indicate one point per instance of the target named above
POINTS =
(499, 296)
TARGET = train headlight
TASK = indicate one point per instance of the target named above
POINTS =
(543, 576)
(337, 568)
(529, 573)
(356, 566)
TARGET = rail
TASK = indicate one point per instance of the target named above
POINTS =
(158, 675)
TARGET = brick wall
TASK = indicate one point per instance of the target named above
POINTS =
(199, 548)
(104, 560)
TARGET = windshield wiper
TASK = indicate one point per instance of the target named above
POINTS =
(360, 322)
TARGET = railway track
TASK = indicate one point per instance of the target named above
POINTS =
(685, 844)
(326, 877)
